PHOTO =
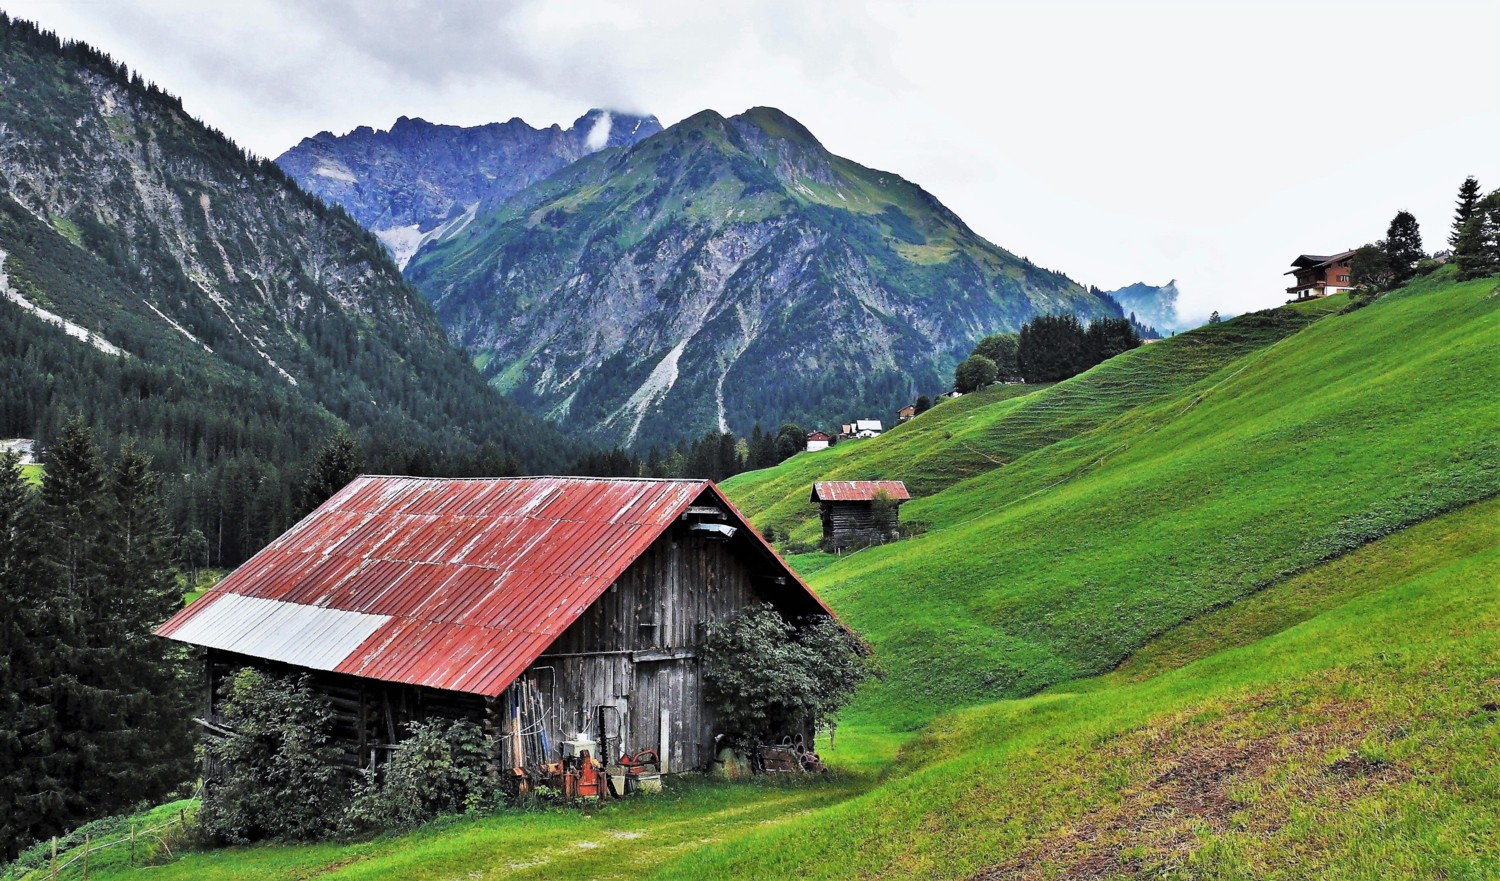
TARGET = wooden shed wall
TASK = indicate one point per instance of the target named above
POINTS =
(635, 651)
(848, 523)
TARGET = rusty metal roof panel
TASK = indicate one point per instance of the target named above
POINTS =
(455, 584)
(858, 490)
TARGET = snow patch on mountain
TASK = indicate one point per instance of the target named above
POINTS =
(405, 241)
(335, 171)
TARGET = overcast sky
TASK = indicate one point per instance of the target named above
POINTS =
(1209, 142)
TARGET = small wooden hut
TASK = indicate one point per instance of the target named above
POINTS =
(848, 510)
(546, 609)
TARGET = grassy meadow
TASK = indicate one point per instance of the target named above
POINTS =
(1222, 607)
(1060, 562)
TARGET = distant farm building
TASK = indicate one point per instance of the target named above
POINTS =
(906, 412)
(847, 508)
(1319, 276)
(817, 440)
(548, 610)
(21, 446)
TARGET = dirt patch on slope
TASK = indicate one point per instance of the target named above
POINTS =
(1191, 779)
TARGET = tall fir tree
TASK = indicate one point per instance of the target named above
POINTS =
(1468, 199)
(29, 626)
(338, 461)
(1478, 251)
(76, 514)
(1403, 246)
(120, 699)
(153, 748)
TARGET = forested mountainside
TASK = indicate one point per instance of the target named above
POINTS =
(176, 291)
(722, 273)
(421, 181)
(1154, 305)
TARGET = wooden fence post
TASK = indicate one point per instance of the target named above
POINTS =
(54, 857)
(87, 839)
(132, 844)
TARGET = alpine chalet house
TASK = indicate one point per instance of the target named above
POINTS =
(1319, 276)
(546, 609)
(817, 440)
(847, 508)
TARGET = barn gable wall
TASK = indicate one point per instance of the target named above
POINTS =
(635, 651)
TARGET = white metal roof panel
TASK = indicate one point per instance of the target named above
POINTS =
(308, 636)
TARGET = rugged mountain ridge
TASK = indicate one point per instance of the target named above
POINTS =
(724, 272)
(420, 181)
(1153, 305)
(218, 314)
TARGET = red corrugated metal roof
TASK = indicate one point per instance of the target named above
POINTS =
(858, 490)
(475, 577)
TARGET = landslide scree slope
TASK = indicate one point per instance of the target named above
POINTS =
(726, 272)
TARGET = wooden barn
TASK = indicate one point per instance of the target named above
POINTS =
(848, 509)
(545, 609)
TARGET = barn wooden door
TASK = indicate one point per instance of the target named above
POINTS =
(665, 714)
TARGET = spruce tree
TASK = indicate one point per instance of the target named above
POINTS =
(338, 462)
(76, 513)
(1478, 251)
(1468, 199)
(30, 627)
(1403, 246)
(152, 750)
(119, 701)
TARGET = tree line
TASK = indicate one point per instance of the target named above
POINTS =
(1049, 348)
(94, 714)
(1473, 245)
(713, 456)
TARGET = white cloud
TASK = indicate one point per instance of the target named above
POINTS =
(599, 133)
(1209, 142)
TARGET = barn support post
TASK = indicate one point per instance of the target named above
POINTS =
(491, 727)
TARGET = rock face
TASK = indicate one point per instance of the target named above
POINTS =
(122, 215)
(1154, 306)
(420, 181)
(721, 273)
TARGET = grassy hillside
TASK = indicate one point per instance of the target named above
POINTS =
(969, 436)
(1153, 496)
(1359, 744)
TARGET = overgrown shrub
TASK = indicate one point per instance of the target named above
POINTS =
(440, 769)
(767, 679)
(279, 776)
(885, 514)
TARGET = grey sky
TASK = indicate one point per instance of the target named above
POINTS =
(1117, 142)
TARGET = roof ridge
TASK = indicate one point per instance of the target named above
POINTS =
(548, 477)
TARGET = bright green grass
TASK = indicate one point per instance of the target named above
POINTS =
(33, 473)
(1357, 744)
(977, 433)
(623, 840)
(1126, 518)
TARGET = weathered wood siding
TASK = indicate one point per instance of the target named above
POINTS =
(634, 651)
(849, 523)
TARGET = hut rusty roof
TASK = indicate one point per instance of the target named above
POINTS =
(457, 584)
(858, 490)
